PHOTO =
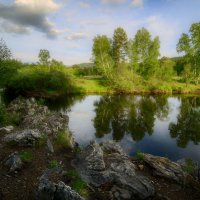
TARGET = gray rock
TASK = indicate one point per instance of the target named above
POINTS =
(26, 137)
(165, 168)
(108, 163)
(48, 190)
(13, 162)
(6, 130)
(50, 146)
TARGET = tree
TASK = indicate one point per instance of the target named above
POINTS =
(144, 53)
(119, 46)
(166, 68)
(5, 53)
(189, 44)
(102, 55)
(44, 57)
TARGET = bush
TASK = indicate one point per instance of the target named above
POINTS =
(54, 164)
(41, 79)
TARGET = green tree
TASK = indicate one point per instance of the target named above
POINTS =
(120, 46)
(166, 68)
(5, 53)
(144, 53)
(189, 44)
(102, 55)
(44, 57)
(187, 74)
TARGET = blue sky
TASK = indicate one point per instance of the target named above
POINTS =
(67, 27)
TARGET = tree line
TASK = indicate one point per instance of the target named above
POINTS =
(139, 59)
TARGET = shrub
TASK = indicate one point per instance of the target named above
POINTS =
(54, 164)
(139, 155)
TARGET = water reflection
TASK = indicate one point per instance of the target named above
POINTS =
(161, 125)
(129, 115)
(187, 127)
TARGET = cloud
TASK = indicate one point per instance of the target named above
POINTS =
(24, 15)
(77, 36)
(137, 3)
(84, 5)
(112, 1)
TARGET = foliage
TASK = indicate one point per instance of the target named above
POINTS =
(8, 69)
(40, 79)
(189, 44)
(77, 183)
(189, 166)
(63, 139)
(26, 156)
(119, 46)
(53, 164)
(5, 53)
(139, 155)
(44, 57)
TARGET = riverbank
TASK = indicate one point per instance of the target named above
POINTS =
(36, 156)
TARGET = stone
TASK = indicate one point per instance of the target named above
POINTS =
(165, 168)
(13, 162)
(6, 130)
(48, 190)
(50, 146)
(108, 163)
(141, 167)
(26, 137)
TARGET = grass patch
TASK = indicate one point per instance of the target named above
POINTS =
(63, 139)
(42, 141)
(26, 156)
(77, 183)
(139, 155)
(54, 164)
(189, 166)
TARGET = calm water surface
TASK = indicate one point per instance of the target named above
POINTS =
(160, 125)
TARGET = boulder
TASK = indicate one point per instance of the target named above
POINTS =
(165, 168)
(109, 164)
(27, 137)
(6, 130)
(13, 162)
(48, 190)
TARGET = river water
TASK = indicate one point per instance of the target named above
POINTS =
(160, 125)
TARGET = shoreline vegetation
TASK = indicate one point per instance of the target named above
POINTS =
(120, 65)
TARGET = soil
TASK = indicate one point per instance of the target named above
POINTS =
(23, 185)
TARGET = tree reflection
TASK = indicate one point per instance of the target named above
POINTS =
(187, 127)
(132, 115)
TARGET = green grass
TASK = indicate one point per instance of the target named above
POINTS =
(63, 139)
(26, 156)
(139, 155)
(77, 183)
(54, 164)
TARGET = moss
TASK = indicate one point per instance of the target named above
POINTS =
(54, 164)
(26, 156)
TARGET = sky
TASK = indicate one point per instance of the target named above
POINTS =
(67, 27)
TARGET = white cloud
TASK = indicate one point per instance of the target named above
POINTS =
(137, 3)
(44, 6)
(77, 36)
(25, 15)
(113, 1)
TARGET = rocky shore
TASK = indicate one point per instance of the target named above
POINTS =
(39, 159)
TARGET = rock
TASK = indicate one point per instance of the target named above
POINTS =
(141, 167)
(109, 164)
(50, 146)
(189, 166)
(26, 137)
(13, 162)
(6, 130)
(165, 168)
(48, 190)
